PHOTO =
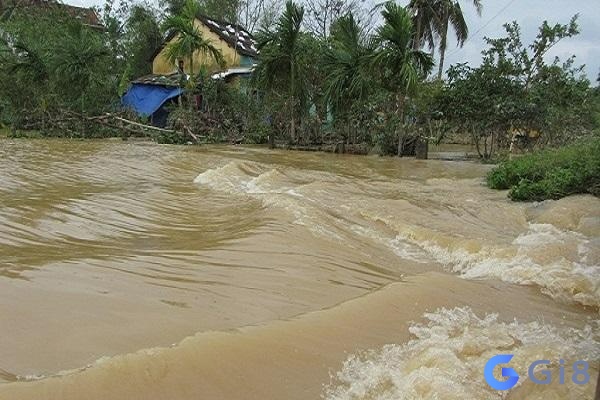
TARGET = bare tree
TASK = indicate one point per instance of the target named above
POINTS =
(320, 14)
(254, 14)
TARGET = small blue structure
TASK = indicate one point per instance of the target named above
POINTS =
(148, 96)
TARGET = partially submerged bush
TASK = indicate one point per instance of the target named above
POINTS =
(551, 174)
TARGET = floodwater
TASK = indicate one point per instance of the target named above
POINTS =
(138, 271)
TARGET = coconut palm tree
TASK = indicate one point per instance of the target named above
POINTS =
(188, 38)
(426, 22)
(279, 60)
(450, 15)
(401, 65)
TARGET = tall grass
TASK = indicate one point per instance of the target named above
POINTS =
(551, 174)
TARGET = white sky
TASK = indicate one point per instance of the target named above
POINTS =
(529, 14)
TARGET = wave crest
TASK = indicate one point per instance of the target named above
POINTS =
(446, 358)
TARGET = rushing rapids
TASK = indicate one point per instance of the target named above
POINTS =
(134, 271)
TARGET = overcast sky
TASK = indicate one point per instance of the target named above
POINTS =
(529, 14)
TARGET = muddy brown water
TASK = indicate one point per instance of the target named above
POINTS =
(139, 271)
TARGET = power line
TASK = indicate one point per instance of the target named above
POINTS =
(510, 3)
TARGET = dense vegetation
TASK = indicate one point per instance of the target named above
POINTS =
(551, 174)
(329, 72)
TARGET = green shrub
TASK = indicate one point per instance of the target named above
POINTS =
(23, 134)
(259, 134)
(551, 174)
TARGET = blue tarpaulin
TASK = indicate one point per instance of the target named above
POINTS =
(147, 99)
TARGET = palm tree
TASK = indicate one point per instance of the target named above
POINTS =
(426, 22)
(28, 61)
(280, 52)
(188, 38)
(345, 63)
(76, 58)
(400, 64)
(26, 64)
(451, 15)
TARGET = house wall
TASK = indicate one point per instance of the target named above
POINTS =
(161, 65)
(247, 61)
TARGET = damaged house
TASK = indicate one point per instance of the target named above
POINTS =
(148, 95)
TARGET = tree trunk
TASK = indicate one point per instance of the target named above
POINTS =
(417, 40)
(513, 140)
(422, 149)
(292, 105)
(272, 140)
(485, 148)
(293, 129)
(476, 139)
(400, 114)
(443, 44)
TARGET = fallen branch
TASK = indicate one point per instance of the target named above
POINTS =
(189, 131)
(149, 127)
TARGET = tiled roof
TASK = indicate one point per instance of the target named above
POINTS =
(235, 35)
(173, 79)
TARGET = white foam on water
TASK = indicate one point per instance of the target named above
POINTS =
(446, 357)
(400, 247)
(559, 261)
(244, 177)
(273, 188)
(29, 378)
(228, 178)
(271, 181)
(553, 259)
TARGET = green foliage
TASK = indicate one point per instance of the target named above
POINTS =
(279, 70)
(56, 72)
(551, 174)
(79, 64)
(345, 83)
(516, 89)
(188, 38)
(400, 65)
(426, 20)
(142, 39)
(450, 15)
(50, 68)
(280, 51)
(432, 20)
(222, 10)
(346, 62)
(229, 113)
(29, 134)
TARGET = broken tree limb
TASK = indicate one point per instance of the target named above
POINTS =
(189, 131)
(149, 127)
